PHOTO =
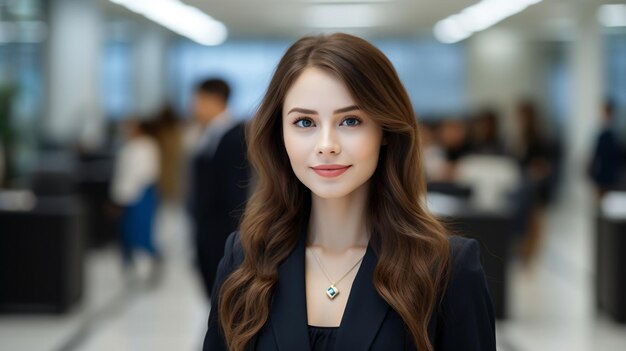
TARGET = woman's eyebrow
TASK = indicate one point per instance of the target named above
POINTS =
(346, 109)
(302, 110)
(313, 112)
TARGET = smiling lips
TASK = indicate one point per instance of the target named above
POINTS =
(330, 171)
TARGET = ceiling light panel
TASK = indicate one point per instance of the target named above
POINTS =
(180, 18)
(612, 15)
(478, 17)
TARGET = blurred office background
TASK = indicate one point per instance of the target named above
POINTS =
(512, 97)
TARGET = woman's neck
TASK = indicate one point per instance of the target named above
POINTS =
(339, 224)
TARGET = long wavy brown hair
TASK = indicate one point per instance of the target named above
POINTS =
(407, 239)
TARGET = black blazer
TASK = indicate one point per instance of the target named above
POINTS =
(464, 321)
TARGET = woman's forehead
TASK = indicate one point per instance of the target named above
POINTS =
(318, 90)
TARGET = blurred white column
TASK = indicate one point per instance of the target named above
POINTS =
(587, 90)
(580, 128)
(74, 80)
(502, 69)
(150, 63)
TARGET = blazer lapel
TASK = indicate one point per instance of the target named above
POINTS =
(288, 314)
(365, 310)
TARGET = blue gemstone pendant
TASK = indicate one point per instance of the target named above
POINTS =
(332, 291)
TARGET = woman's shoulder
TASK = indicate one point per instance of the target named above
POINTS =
(233, 256)
(233, 251)
(465, 319)
(461, 247)
(467, 294)
(466, 267)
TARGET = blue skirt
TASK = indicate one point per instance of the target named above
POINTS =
(137, 224)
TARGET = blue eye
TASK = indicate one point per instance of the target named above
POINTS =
(303, 123)
(351, 122)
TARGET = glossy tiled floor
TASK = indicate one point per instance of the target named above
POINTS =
(122, 312)
(551, 302)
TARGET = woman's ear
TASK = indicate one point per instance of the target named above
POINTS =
(384, 142)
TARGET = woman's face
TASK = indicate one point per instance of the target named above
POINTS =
(333, 146)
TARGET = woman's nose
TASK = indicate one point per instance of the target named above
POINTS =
(327, 142)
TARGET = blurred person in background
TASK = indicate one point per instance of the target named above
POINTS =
(453, 136)
(134, 189)
(484, 129)
(433, 155)
(604, 169)
(209, 112)
(168, 134)
(219, 177)
(467, 161)
(539, 160)
(492, 174)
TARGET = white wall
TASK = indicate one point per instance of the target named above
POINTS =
(75, 71)
(502, 68)
(587, 90)
(75, 42)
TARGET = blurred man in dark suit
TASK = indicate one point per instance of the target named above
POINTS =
(604, 169)
(219, 176)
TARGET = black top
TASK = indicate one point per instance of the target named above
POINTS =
(322, 338)
(463, 321)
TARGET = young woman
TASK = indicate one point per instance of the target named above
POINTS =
(337, 249)
(133, 188)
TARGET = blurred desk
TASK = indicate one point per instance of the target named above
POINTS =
(102, 228)
(611, 257)
(494, 231)
(94, 180)
(41, 254)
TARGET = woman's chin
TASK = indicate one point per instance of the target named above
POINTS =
(333, 193)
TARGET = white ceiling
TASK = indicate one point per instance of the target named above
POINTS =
(289, 18)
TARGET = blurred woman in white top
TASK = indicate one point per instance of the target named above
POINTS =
(134, 188)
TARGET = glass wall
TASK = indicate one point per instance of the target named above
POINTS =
(118, 72)
(23, 32)
(616, 76)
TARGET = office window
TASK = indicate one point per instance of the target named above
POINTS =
(433, 74)
(616, 76)
(117, 79)
(23, 32)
